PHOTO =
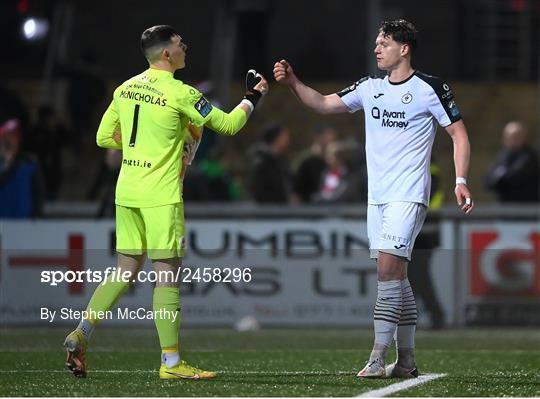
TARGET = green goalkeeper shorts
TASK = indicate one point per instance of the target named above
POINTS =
(158, 231)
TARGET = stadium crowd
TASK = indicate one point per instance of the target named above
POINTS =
(331, 170)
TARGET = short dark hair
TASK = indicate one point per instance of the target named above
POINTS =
(157, 35)
(401, 31)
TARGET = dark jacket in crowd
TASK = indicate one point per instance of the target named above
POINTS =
(514, 176)
(308, 176)
(270, 178)
(347, 186)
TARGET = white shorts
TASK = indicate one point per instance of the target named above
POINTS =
(393, 227)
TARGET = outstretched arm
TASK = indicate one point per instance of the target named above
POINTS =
(462, 153)
(329, 104)
(230, 123)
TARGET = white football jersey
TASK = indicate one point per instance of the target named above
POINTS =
(400, 129)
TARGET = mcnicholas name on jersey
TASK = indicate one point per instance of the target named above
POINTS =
(147, 98)
(390, 118)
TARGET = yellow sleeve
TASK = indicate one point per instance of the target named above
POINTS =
(109, 134)
(201, 112)
(227, 124)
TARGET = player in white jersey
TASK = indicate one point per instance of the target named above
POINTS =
(401, 112)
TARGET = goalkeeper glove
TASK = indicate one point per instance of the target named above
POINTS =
(252, 79)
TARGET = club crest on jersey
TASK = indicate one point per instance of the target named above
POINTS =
(407, 98)
(203, 107)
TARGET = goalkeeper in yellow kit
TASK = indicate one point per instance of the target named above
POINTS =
(150, 120)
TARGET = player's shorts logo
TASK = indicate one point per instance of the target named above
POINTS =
(407, 98)
(446, 87)
(376, 113)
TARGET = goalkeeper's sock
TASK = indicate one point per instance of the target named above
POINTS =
(104, 298)
(170, 356)
(86, 327)
(406, 327)
(386, 316)
(167, 318)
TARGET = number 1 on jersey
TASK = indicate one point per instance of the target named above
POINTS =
(134, 127)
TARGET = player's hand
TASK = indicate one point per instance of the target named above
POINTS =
(283, 73)
(117, 135)
(256, 82)
(464, 198)
(256, 87)
(195, 132)
(191, 144)
(262, 86)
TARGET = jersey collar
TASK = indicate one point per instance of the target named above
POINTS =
(154, 71)
(403, 81)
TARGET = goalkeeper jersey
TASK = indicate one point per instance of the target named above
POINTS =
(151, 113)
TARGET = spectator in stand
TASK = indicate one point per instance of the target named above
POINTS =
(21, 186)
(209, 181)
(514, 175)
(310, 164)
(345, 178)
(270, 176)
(46, 139)
(11, 107)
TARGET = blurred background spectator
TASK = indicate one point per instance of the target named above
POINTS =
(514, 175)
(21, 185)
(270, 176)
(310, 163)
(345, 178)
(208, 180)
(11, 107)
(46, 140)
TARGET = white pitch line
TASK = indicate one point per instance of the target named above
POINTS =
(224, 372)
(400, 386)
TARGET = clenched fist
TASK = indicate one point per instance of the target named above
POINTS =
(283, 73)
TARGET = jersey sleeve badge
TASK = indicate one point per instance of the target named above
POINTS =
(203, 107)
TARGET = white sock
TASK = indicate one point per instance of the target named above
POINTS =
(378, 353)
(170, 359)
(86, 328)
(407, 323)
(406, 329)
(386, 316)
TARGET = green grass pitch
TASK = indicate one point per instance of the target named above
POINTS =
(271, 362)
